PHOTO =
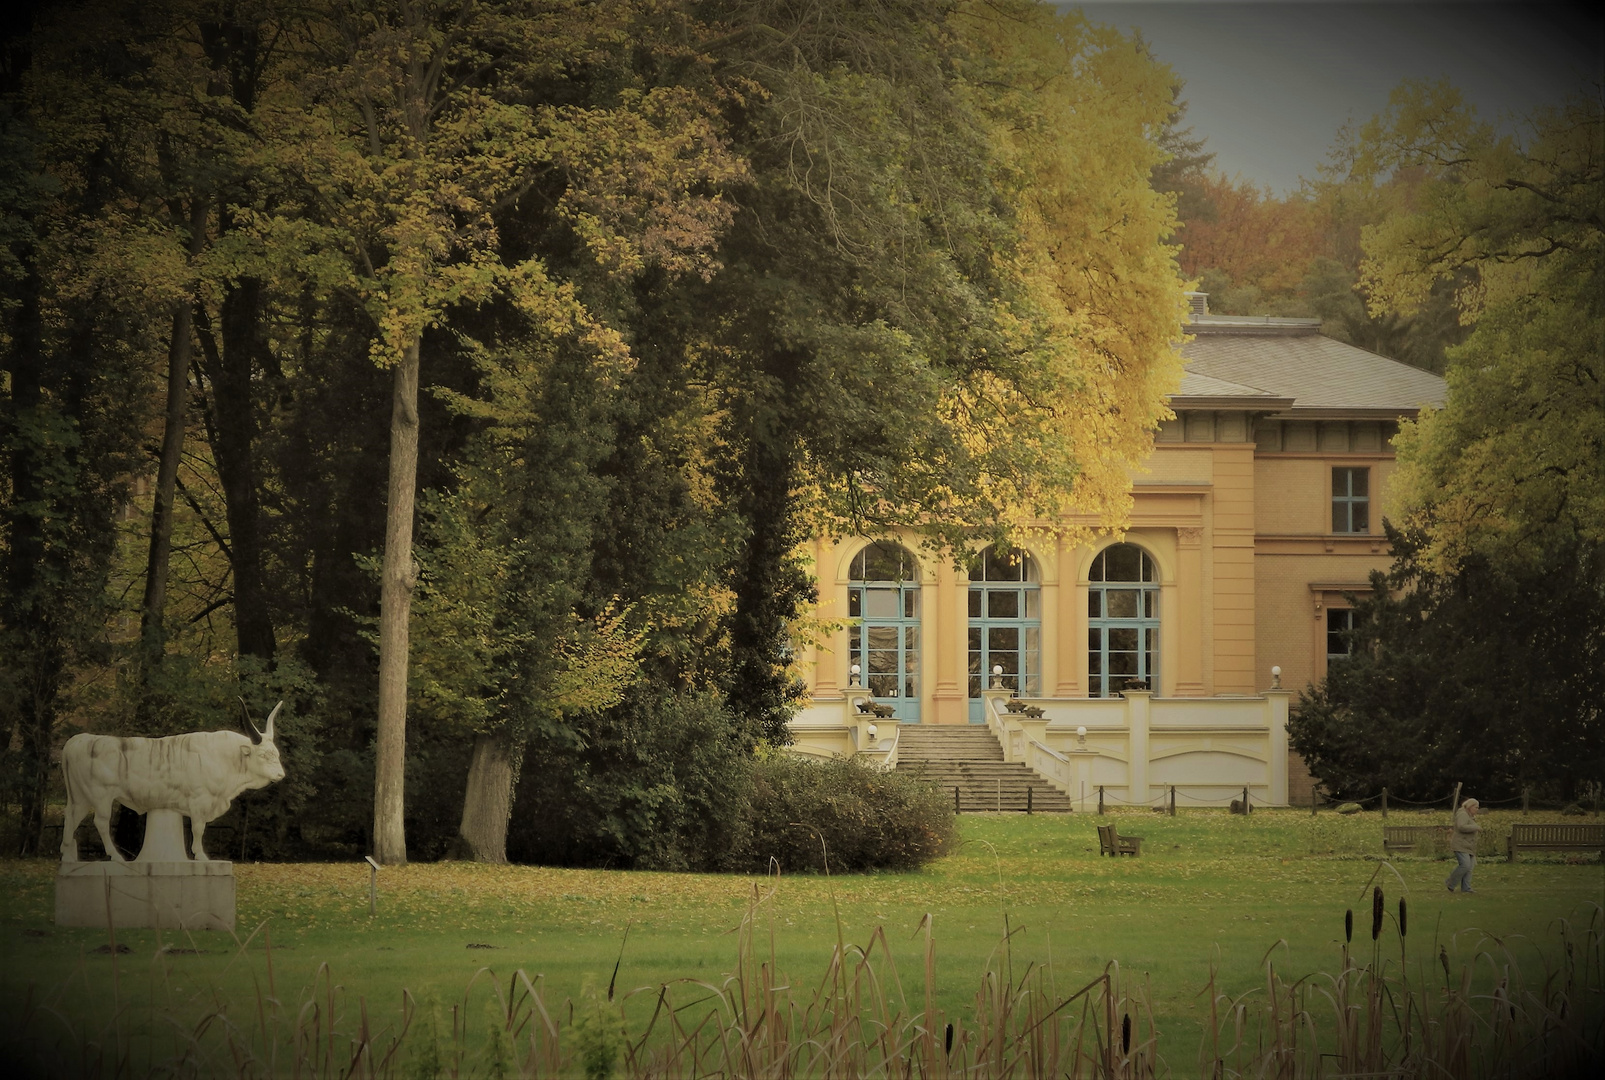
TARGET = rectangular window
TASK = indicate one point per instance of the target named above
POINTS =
(1351, 500)
(1003, 605)
(1339, 621)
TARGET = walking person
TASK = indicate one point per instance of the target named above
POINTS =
(1463, 843)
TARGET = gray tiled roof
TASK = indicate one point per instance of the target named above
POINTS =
(1288, 358)
(1196, 384)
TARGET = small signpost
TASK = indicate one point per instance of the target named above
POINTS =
(373, 886)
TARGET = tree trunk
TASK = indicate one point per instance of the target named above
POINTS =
(395, 607)
(232, 386)
(488, 802)
(234, 47)
(179, 350)
(770, 590)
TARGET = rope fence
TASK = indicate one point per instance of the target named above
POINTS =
(1002, 797)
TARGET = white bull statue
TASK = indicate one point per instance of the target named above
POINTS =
(197, 775)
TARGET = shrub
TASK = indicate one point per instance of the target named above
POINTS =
(869, 819)
(657, 782)
(665, 782)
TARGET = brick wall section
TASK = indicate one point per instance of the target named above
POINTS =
(1299, 781)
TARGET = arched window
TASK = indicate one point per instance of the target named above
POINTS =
(1122, 621)
(1005, 624)
(883, 597)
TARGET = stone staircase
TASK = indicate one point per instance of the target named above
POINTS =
(968, 757)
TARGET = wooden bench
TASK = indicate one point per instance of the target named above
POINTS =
(1110, 842)
(1555, 836)
(1408, 837)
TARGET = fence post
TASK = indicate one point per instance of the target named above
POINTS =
(1523, 802)
(1384, 804)
(373, 886)
(1173, 800)
(1245, 800)
(1028, 799)
(1313, 797)
(1000, 795)
(1100, 800)
(1454, 800)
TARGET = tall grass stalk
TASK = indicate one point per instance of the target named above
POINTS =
(1414, 1015)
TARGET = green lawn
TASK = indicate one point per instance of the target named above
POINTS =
(1209, 889)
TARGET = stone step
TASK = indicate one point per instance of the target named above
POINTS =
(991, 785)
(948, 744)
(972, 773)
(970, 759)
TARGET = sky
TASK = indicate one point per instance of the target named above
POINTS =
(1269, 83)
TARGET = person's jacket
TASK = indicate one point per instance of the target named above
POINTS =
(1465, 834)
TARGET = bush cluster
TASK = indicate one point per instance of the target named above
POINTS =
(668, 782)
(658, 782)
(868, 818)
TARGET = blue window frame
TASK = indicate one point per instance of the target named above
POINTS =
(1005, 627)
(883, 600)
(1122, 621)
(1351, 500)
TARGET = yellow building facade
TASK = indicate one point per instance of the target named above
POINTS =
(1257, 512)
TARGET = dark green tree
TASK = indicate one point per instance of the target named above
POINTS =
(1490, 675)
(70, 415)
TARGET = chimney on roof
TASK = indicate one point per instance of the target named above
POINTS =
(1197, 304)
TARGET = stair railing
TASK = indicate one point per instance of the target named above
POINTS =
(1024, 740)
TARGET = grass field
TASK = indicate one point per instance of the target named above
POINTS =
(1210, 890)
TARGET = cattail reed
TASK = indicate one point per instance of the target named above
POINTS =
(1403, 921)
(1125, 1034)
(1348, 927)
(947, 1045)
(1376, 912)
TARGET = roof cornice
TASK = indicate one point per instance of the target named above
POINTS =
(1376, 412)
(1230, 402)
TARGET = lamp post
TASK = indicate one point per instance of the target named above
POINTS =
(1276, 677)
(997, 676)
(852, 675)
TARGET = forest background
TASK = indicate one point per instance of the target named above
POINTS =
(468, 375)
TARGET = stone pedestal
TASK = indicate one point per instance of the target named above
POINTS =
(164, 838)
(173, 895)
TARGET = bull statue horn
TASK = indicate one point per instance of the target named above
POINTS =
(247, 710)
(267, 736)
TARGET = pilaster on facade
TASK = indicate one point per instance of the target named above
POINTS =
(1189, 612)
(1232, 559)
(948, 700)
(1070, 653)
